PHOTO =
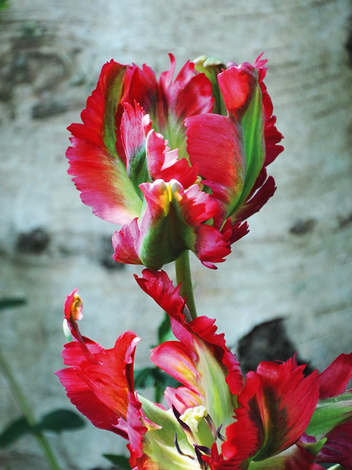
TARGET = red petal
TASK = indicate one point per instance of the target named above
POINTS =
(126, 244)
(210, 247)
(215, 144)
(82, 396)
(279, 401)
(98, 382)
(255, 202)
(237, 84)
(160, 288)
(178, 361)
(98, 171)
(334, 379)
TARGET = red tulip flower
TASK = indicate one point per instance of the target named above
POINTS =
(274, 418)
(179, 162)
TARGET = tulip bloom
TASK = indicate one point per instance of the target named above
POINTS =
(179, 162)
(216, 419)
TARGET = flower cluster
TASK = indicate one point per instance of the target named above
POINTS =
(275, 418)
(179, 162)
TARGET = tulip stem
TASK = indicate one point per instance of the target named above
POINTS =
(27, 413)
(183, 276)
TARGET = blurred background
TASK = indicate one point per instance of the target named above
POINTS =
(296, 262)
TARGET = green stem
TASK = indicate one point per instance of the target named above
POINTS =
(27, 413)
(183, 276)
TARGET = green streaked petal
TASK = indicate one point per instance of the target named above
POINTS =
(329, 413)
(159, 441)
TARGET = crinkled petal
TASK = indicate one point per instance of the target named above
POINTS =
(98, 171)
(200, 359)
(238, 86)
(189, 93)
(135, 125)
(163, 163)
(158, 286)
(126, 244)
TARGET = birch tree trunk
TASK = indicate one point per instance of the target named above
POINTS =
(296, 262)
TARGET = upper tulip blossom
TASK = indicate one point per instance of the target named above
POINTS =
(216, 419)
(179, 162)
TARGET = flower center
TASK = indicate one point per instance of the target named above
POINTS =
(197, 419)
(200, 431)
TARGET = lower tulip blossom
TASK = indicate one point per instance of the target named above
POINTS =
(216, 419)
(179, 162)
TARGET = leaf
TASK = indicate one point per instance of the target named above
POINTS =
(14, 431)
(60, 420)
(143, 378)
(12, 303)
(119, 460)
(4, 4)
(153, 376)
(164, 330)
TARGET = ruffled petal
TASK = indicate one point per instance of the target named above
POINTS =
(126, 244)
(200, 359)
(160, 288)
(98, 171)
(163, 163)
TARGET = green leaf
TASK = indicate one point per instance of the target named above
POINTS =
(4, 4)
(152, 376)
(164, 330)
(143, 378)
(60, 420)
(12, 303)
(14, 431)
(119, 460)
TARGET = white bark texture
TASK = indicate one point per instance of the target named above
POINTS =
(295, 263)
